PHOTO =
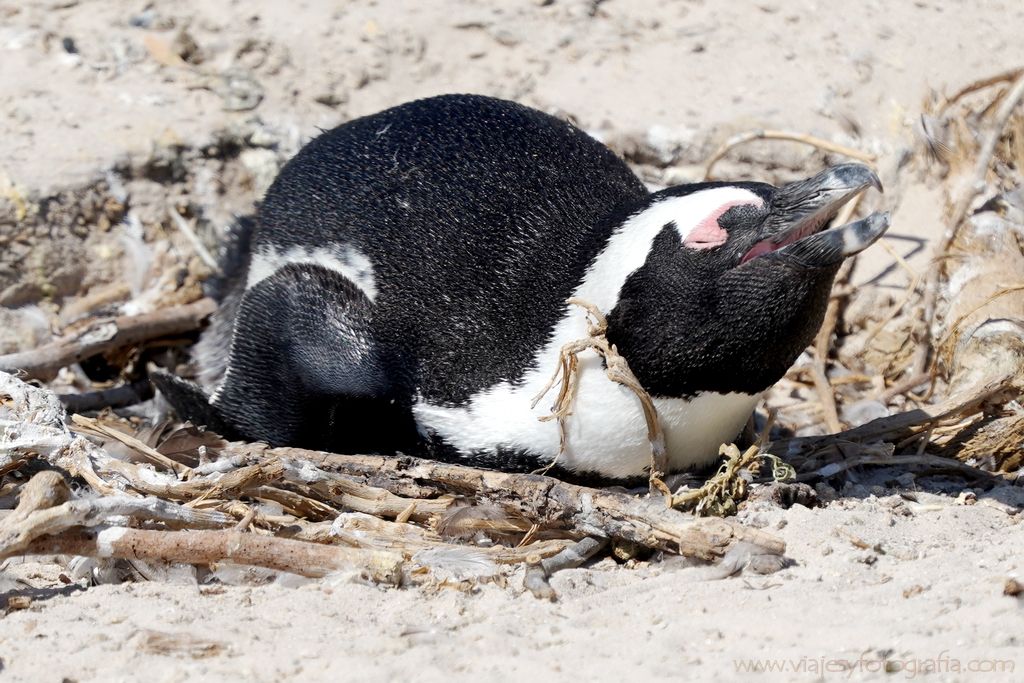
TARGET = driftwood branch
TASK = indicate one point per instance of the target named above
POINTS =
(545, 501)
(208, 547)
(899, 427)
(107, 335)
(115, 397)
(822, 344)
(933, 461)
(46, 522)
(44, 509)
(359, 530)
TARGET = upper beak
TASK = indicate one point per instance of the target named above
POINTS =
(801, 210)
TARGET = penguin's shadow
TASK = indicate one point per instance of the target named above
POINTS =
(40, 594)
(918, 243)
(861, 485)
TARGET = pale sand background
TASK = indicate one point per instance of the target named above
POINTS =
(676, 73)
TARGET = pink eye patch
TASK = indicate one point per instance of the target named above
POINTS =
(708, 234)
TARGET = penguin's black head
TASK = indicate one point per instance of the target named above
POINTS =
(736, 279)
(786, 224)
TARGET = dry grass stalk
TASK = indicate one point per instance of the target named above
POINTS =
(186, 229)
(803, 138)
(618, 371)
(107, 335)
(87, 425)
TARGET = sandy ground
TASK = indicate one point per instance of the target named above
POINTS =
(145, 103)
(925, 597)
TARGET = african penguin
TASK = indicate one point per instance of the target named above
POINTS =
(403, 288)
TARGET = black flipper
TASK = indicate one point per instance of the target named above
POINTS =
(305, 369)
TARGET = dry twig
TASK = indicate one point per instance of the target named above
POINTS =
(208, 547)
(806, 450)
(802, 138)
(88, 425)
(44, 509)
(107, 335)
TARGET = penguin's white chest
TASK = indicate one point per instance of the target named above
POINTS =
(606, 433)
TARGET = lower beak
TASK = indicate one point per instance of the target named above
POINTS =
(832, 246)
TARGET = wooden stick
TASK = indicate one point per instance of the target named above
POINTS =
(543, 500)
(802, 138)
(822, 343)
(904, 386)
(358, 530)
(234, 481)
(901, 425)
(934, 461)
(207, 547)
(115, 397)
(42, 510)
(358, 497)
(294, 503)
(107, 335)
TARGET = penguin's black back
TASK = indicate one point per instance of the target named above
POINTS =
(479, 217)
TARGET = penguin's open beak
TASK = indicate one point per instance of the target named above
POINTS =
(800, 212)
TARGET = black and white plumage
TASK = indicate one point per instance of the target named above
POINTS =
(404, 284)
